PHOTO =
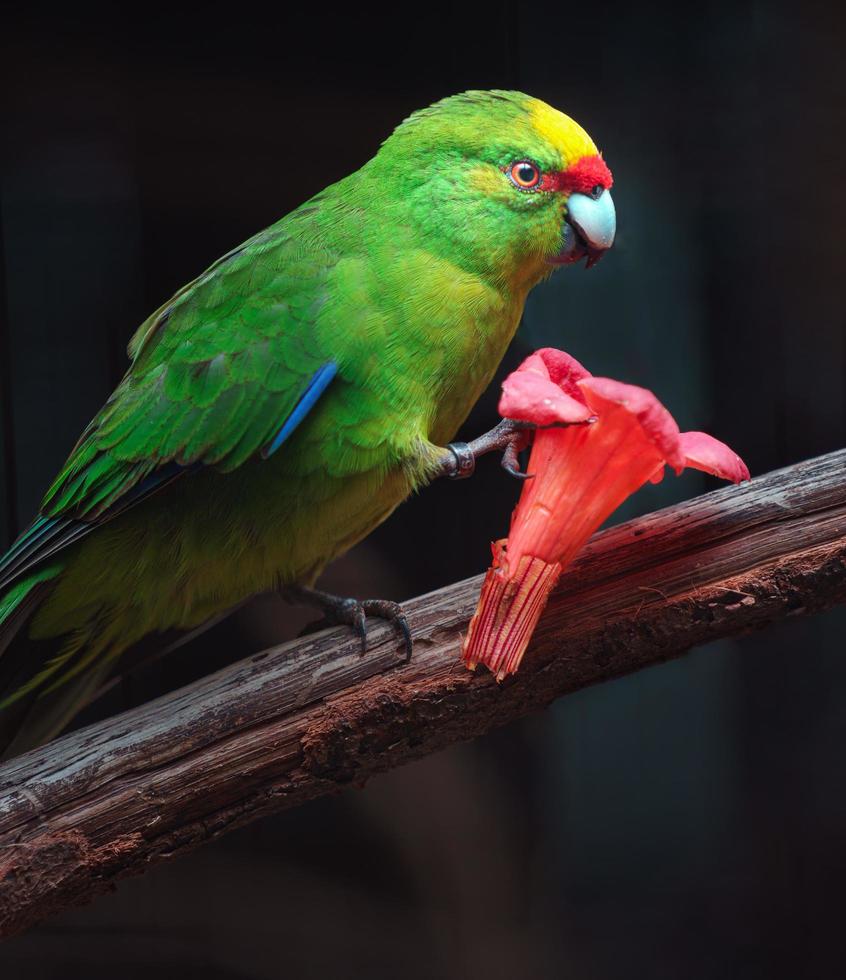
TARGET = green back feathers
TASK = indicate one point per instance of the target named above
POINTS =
(215, 373)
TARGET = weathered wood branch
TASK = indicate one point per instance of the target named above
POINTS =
(313, 716)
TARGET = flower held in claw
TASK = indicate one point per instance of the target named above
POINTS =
(581, 474)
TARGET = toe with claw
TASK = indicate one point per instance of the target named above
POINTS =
(338, 610)
(509, 438)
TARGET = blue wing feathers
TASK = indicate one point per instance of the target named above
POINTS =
(319, 383)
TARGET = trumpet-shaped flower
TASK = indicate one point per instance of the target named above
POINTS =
(600, 441)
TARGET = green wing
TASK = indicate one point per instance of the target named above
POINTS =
(216, 373)
(220, 374)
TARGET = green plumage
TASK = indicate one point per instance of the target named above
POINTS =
(410, 276)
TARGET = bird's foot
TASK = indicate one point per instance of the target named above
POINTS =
(510, 438)
(340, 611)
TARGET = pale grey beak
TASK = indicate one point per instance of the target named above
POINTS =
(589, 229)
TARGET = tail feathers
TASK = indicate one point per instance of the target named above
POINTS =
(17, 663)
(45, 682)
(38, 718)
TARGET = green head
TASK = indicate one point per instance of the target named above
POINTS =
(501, 183)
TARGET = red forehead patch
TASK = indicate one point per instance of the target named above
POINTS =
(580, 178)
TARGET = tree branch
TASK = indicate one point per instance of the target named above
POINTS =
(313, 716)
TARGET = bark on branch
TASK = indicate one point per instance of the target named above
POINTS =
(313, 716)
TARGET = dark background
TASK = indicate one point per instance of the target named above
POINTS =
(685, 822)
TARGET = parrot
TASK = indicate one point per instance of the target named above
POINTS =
(281, 405)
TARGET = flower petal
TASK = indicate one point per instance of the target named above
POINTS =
(534, 364)
(529, 397)
(658, 426)
(582, 473)
(704, 452)
(508, 610)
(564, 370)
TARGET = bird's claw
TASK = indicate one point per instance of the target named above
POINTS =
(340, 611)
(509, 437)
(510, 461)
(393, 613)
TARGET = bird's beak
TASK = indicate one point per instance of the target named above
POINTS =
(589, 229)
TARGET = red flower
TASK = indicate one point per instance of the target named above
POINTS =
(582, 473)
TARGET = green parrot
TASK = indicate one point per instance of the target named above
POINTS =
(281, 405)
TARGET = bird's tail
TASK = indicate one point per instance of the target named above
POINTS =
(25, 665)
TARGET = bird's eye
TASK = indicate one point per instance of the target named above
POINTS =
(596, 192)
(524, 174)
